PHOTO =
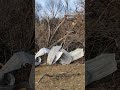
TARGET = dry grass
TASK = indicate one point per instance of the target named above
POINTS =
(60, 77)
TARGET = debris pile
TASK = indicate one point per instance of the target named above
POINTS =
(96, 68)
(14, 63)
(69, 32)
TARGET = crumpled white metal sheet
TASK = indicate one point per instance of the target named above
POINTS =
(77, 53)
(40, 53)
(66, 58)
(15, 62)
(54, 54)
(57, 53)
(99, 67)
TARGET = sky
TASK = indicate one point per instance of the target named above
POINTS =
(43, 3)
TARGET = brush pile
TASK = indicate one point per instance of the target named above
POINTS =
(68, 31)
(102, 25)
(103, 35)
(16, 25)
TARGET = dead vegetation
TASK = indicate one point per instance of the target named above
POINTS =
(102, 36)
(17, 29)
(68, 31)
(59, 25)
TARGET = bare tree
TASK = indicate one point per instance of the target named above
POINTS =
(80, 6)
(66, 7)
(54, 8)
(38, 7)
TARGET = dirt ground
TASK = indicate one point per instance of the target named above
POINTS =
(60, 77)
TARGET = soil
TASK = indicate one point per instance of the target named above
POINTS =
(60, 77)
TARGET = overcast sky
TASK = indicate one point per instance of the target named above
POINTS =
(43, 1)
(71, 3)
